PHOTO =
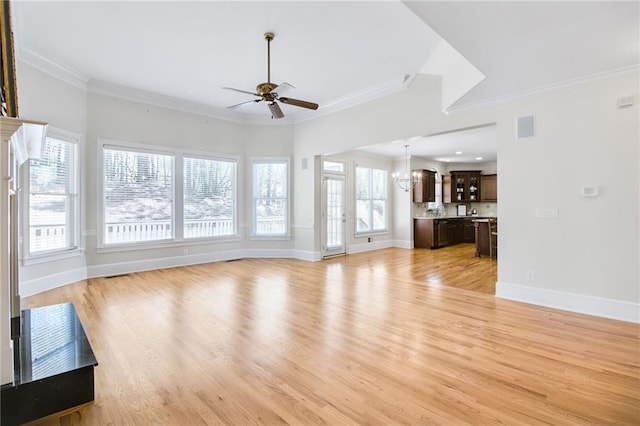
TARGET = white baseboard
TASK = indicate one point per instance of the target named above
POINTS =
(590, 305)
(374, 245)
(405, 244)
(309, 256)
(111, 269)
(48, 282)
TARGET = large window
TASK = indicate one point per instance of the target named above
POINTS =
(209, 197)
(271, 198)
(371, 200)
(138, 195)
(53, 198)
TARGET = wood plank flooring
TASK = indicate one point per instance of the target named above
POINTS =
(386, 337)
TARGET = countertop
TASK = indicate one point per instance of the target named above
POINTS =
(455, 217)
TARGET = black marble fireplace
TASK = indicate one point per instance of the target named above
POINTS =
(53, 365)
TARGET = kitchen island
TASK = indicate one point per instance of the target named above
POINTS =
(433, 232)
(482, 228)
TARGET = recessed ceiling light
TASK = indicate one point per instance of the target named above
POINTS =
(478, 158)
(458, 152)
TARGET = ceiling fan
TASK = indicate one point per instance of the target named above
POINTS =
(270, 92)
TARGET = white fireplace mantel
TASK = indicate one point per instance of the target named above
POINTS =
(20, 140)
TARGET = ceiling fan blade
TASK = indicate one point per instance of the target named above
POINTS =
(299, 103)
(276, 112)
(241, 104)
(241, 91)
(283, 87)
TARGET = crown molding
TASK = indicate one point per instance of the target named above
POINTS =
(137, 95)
(48, 66)
(530, 93)
(367, 94)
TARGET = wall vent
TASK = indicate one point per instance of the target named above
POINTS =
(525, 127)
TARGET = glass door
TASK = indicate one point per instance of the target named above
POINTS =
(333, 216)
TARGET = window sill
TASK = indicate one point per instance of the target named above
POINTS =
(51, 257)
(156, 245)
(270, 238)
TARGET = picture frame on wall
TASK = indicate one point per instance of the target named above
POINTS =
(9, 91)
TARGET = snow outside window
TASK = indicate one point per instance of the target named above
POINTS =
(138, 196)
(53, 199)
(371, 200)
(271, 198)
(209, 197)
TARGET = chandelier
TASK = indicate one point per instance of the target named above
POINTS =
(410, 179)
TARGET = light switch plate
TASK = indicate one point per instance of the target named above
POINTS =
(589, 191)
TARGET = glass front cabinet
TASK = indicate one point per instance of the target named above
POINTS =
(465, 187)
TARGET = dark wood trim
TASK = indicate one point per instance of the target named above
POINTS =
(9, 86)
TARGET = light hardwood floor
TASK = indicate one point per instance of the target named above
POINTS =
(387, 337)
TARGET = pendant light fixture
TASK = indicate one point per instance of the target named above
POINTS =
(410, 179)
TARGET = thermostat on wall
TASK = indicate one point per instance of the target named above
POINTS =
(589, 191)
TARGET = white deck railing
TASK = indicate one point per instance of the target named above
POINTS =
(52, 236)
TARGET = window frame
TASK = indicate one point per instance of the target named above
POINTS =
(270, 160)
(74, 215)
(370, 231)
(146, 149)
(178, 197)
(234, 188)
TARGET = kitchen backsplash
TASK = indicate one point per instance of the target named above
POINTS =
(484, 209)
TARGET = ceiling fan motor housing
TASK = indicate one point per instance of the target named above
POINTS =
(264, 89)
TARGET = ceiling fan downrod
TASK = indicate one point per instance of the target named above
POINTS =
(268, 37)
(265, 89)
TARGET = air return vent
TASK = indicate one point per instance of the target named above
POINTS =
(525, 127)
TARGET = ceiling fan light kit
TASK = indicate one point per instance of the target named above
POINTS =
(269, 92)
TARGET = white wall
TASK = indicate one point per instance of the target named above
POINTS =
(45, 98)
(398, 116)
(587, 259)
(359, 243)
(98, 117)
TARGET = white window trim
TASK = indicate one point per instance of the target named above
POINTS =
(27, 258)
(178, 239)
(370, 233)
(212, 157)
(134, 147)
(268, 160)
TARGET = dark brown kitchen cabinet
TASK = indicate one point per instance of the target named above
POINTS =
(425, 189)
(430, 233)
(440, 232)
(489, 187)
(464, 187)
(468, 231)
(423, 233)
(455, 231)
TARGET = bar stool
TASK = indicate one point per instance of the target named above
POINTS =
(493, 239)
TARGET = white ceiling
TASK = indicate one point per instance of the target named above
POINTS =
(525, 45)
(331, 52)
(476, 145)
(181, 54)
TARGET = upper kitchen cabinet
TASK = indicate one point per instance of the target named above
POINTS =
(425, 190)
(464, 187)
(489, 187)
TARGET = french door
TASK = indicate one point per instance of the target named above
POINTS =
(333, 215)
